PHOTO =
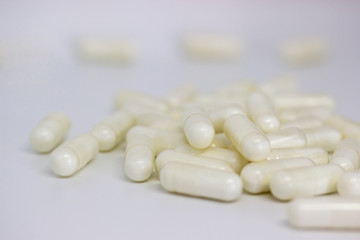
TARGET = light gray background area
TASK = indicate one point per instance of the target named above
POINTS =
(40, 72)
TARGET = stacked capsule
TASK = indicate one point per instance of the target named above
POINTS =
(260, 138)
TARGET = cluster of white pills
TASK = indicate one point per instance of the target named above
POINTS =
(261, 138)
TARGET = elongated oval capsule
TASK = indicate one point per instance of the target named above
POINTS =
(285, 101)
(349, 184)
(198, 128)
(347, 154)
(325, 137)
(316, 154)
(73, 155)
(50, 132)
(305, 181)
(304, 123)
(347, 127)
(328, 212)
(168, 156)
(287, 138)
(247, 138)
(256, 176)
(201, 182)
(262, 112)
(292, 114)
(112, 130)
(218, 116)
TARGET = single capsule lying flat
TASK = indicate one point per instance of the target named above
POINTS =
(112, 130)
(201, 182)
(316, 154)
(305, 181)
(73, 155)
(347, 154)
(198, 128)
(247, 138)
(168, 156)
(256, 176)
(349, 184)
(328, 212)
(262, 112)
(50, 132)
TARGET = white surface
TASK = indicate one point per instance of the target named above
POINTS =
(40, 73)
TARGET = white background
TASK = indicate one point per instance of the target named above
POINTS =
(40, 72)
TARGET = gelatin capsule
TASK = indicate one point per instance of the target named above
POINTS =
(112, 130)
(256, 176)
(73, 155)
(347, 154)
(247, 138)
(286, 101)
(328, 212)
(304, 123)
(349, 184)
(50, 132)
(262, 112)
(305, 181)
(292, 114)
(218, 116)
(316, 154)
(347, 127)
(325, 137)
(287, 138)
(201, 182)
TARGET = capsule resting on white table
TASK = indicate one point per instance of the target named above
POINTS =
(325, 212)
(201, 182)
(349, 184)
(205, 46)
(50, 132)
(247, 137)
(305, 181)
(316, 154)
(73, 155)
(347, 154)
(285, 101)
(292, 114)
(262, 112)
(347, 127)
(304, 123)
(143, 144)
(287, 138)
(198, 128)
(325, 137)
(168, 156)
(256, 176)
(112, 130)
(218, 116)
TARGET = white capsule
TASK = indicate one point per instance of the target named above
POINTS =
(201, 182)
(347, 127)
(316, 154)
(218, 116)
(109, 51)
(50, 132)
(285, 101)
(287, 138)
(292, 114)
(262, 112)
(349, 184)
(304, 123)
(198, 128)
(205, 46)
(329, 212)
(325, 137)
(305, 181)
(135, 101)
(347, 154)
(230, 156)
(143, 144)
(168, 156)
(247, 138)
(112, 130)
(257, 176)
(221, 141)
(305, 51)
(159, 120)
(73, 155)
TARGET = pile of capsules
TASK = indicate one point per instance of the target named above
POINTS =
(263, 138)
